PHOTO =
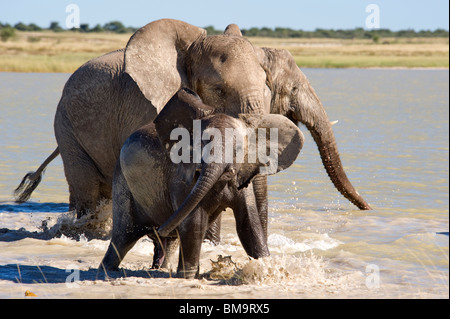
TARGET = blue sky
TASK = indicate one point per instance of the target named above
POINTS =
(306, 15)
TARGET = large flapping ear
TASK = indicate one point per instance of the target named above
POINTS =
(233, 30)
(180, 112)
(275, 145)
(154, 58)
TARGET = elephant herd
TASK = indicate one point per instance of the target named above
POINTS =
(115, 128)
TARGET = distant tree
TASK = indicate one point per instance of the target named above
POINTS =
(440, 33)
(253, 32)
(323, 33)
(132, 29)
(212, 31)
(34, 27)
(115, 26)
(279, 32)
(84, 27)
(21, 26)
(97, 28)
(409, 33)
(54, 26)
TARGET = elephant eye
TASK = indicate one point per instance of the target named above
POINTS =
(219, 91)
(294, 90)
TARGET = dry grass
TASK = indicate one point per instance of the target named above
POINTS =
(389, 52)
(65, 52)
(55, 52)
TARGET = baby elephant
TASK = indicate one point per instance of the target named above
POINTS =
(177, 174)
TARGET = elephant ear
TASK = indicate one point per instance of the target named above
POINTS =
(154, 58)
(275, 145)
(180, 112)
(279, 66)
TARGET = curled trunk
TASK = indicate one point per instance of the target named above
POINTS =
(209, 175)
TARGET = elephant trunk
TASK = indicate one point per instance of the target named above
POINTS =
(316, 120)
(209, 175)
(329, 154)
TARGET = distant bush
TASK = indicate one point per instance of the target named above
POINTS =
(357, 33)
(7, 33)
(278, 32)
(54, 26)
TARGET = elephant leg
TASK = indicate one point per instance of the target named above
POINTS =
(191, 232)
(159, 252)
(248, 224)
(162, 255)
(261, 198)
(105, 191)
(84, 185)
(125, 231)
(118, 248)
(81, 174)
(213, 232)
(171, 249)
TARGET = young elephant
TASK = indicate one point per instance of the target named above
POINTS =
(166, 188)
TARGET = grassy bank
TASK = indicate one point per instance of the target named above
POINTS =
(388, 52)
(55, 52)
(66, 51)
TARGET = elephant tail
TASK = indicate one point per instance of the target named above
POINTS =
(31, 180)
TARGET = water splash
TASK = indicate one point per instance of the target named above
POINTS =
(97, 225)
(284, 269)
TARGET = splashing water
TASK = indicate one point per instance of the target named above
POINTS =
(97, 225)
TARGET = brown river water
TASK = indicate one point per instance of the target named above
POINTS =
(393, 136)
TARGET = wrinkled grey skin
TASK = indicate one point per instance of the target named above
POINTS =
(150, 190)
(110, 97)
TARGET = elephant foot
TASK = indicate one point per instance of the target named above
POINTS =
(188, 273)
(162, 257)
(105, 272)
(81, 212)
(158, 255)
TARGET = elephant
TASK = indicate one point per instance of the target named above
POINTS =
(157, 195)
(111, 96)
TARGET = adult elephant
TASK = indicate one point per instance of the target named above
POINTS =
(109, 97)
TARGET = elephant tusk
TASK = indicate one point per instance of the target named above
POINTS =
(334, 122)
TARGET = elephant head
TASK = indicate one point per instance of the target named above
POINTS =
(234, 150)
(184, 107)
(294, 97)
(234, 77)
(223, 70)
